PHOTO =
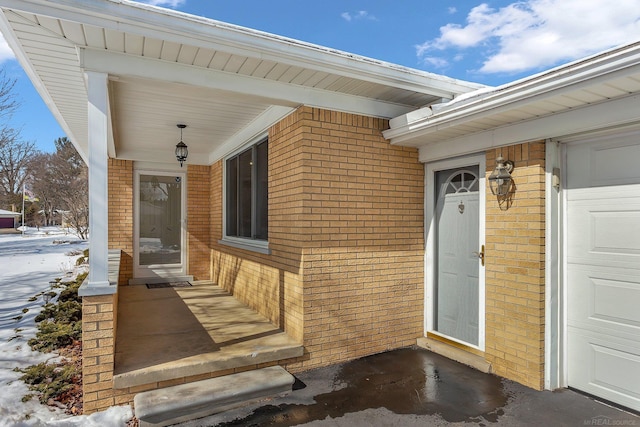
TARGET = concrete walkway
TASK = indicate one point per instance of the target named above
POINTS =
(414, 387)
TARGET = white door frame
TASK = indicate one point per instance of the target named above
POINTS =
(430, 241)
(165, 273)
(555, 363)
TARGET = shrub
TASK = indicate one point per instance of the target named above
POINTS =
(60, 324)
(49, 381)
(54, 335)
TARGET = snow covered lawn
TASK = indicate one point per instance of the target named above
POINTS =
(27, 264)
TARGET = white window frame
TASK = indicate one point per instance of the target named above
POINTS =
(255, 245)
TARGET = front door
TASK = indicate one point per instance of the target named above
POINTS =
(454, 242)
(159, 225)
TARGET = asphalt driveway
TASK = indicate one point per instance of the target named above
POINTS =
(414, 387)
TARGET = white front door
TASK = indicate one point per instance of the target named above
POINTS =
(603, 268)
(160, 235)
(453, 244)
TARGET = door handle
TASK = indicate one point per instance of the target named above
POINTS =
(480, 255)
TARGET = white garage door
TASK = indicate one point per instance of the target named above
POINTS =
(603, 268)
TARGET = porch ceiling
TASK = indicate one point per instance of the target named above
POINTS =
(227, 83)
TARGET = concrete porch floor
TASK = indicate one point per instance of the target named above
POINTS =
(169, 333)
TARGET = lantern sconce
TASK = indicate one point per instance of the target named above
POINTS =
(500, 179)
(181, 148)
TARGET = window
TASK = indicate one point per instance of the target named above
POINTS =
(247, 193)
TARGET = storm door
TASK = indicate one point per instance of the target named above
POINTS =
(457, 254)
(160, 235)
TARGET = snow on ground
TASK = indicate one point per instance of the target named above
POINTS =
(27, 263)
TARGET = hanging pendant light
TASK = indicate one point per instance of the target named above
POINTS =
(181, 148)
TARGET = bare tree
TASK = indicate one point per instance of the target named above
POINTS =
(41, 184)
(69, 176)
(8, 102)
(15, 154)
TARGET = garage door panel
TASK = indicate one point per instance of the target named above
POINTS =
(6, 222)
(604, 232)
(606, 195)
(605, 300)
(603, 268)
(613, 367)
(604, 162)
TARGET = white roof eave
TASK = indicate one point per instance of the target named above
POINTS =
(171, 25)
(487, 102)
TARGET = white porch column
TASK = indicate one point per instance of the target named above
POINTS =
(98, 179)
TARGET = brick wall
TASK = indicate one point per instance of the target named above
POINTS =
(251, 277)
(364, 248)
(515, 239)
(98, 351)
(345, 274)
(198, 225)
(121, 214)
(270, 284)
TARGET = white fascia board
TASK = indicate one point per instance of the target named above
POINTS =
(250, 132)
(618, 112)
(410, 118)
(178, 27)
(571, 78)
(23, 60)
(269, 91)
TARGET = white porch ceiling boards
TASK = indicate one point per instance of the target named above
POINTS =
(597, 92)
(168, 105)
(242, 77)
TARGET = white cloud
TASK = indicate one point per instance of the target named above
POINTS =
(165, 3)
(359, 15)
(452, 10)
(531, 34)
(436, 62)
(5, 51)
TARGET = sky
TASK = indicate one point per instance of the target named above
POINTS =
(491, 42)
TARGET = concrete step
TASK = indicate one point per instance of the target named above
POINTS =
(454, 353)
(278, 347)
(199, 399)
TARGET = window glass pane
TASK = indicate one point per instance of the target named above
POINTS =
(262, 191)
(247, 194)
(160, 216)
(245, 164)
(232, 197)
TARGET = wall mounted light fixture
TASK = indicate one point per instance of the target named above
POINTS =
(500, 179)
(181, 148)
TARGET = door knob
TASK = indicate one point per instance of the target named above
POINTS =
(480, 255)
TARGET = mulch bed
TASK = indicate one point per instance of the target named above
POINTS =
(71, 400)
